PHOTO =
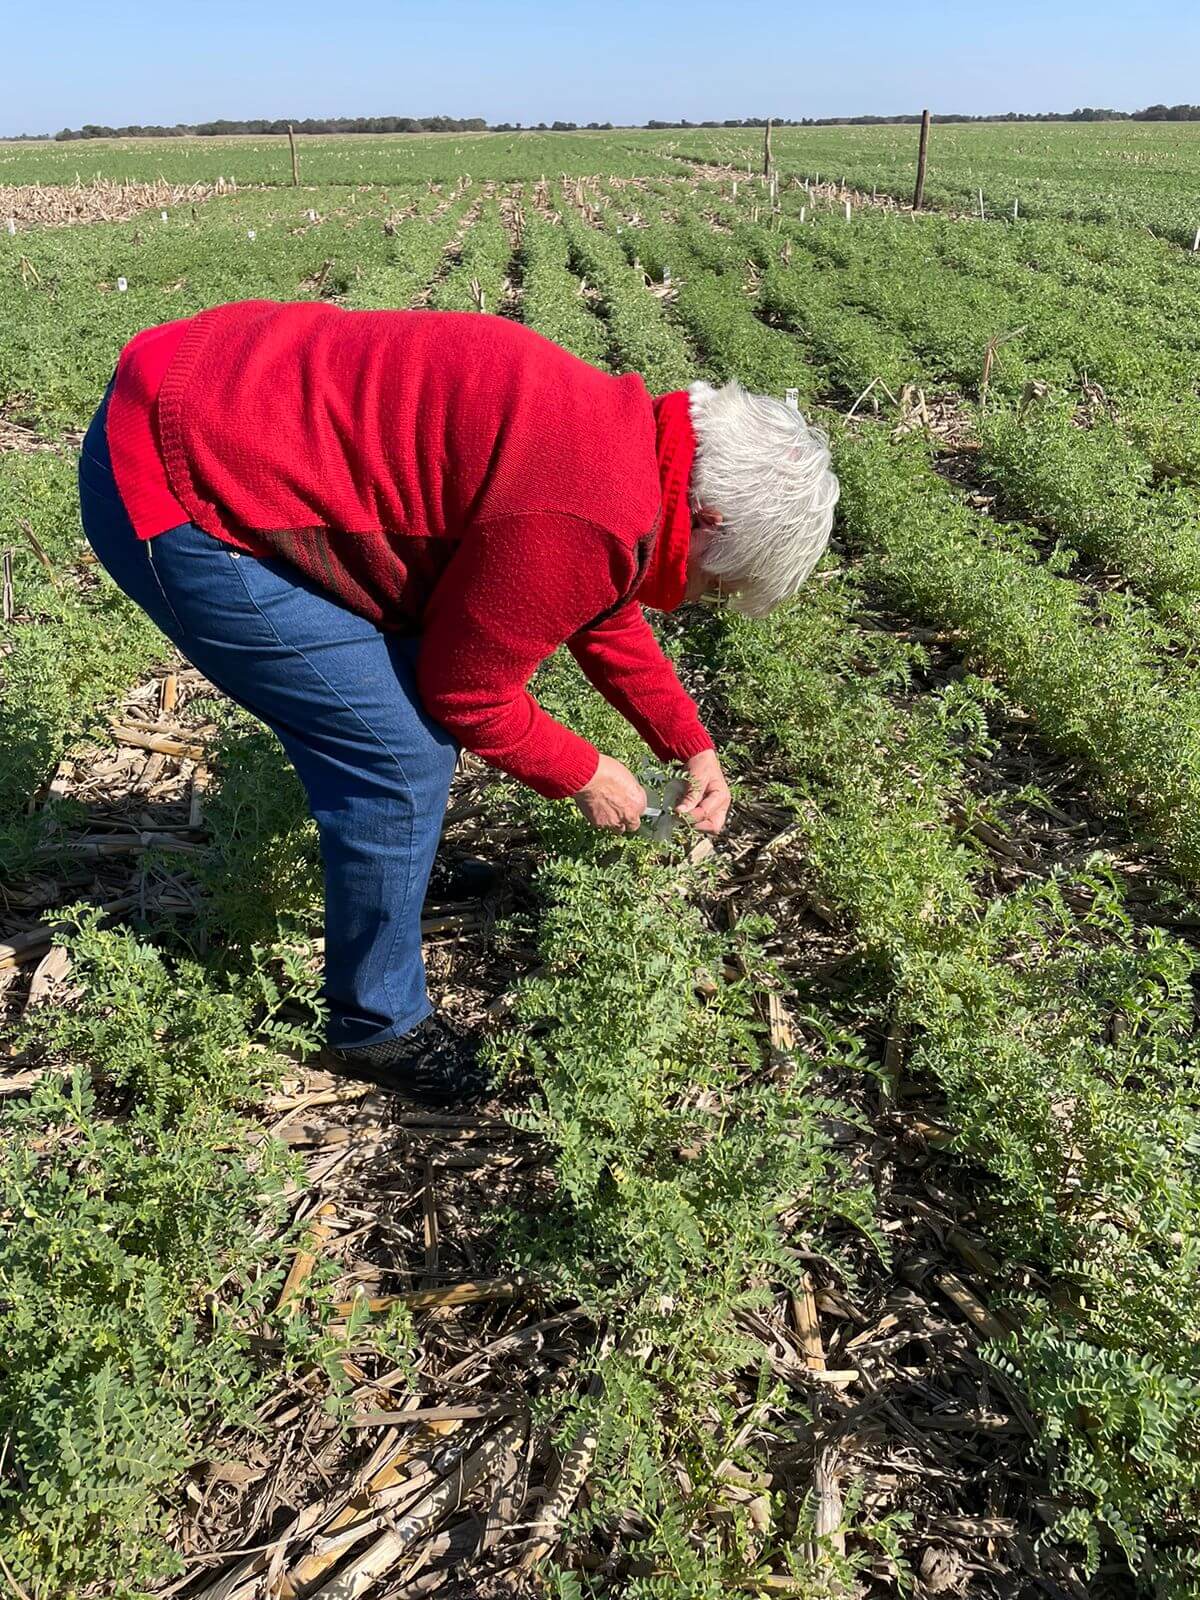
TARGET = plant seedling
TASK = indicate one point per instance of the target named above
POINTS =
(663, 794)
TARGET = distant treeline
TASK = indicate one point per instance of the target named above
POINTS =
(93, 130)
(1081, 114)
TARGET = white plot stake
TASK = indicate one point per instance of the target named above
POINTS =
(847, 211)
(1196, 242)
(12, 227)
(735, 188)
(312, 215)
(163, 215)
(1016, 203)
(121, 285)
(666, 274)
(792, 398)
(982, 215)
(250, 233)
(803, 209)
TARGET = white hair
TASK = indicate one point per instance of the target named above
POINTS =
(768, 474)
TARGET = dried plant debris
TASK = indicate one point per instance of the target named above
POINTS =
(35, 205)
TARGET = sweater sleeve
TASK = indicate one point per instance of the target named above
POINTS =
(517, 588)
(622, 658)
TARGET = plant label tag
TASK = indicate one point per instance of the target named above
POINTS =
(792, 399)
(121, 285)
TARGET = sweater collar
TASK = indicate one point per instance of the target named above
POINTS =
(665, 578)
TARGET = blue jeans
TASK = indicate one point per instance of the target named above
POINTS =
(342, 698)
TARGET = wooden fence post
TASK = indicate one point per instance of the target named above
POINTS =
(295, 166)
(919, 192)
(767, 150)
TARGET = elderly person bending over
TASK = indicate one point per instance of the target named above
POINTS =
(369, 527)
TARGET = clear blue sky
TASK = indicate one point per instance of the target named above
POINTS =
(123, 61)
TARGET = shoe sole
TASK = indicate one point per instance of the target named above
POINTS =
(394, 1084)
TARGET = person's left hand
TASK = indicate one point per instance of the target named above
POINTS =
(706, 805)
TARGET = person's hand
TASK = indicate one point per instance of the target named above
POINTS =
(706, 804)
(613, 799)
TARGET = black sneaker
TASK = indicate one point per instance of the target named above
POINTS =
(468, 878)
(433, 1065)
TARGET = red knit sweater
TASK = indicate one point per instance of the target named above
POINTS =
(445, 472)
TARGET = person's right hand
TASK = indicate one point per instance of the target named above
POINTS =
(613, 799)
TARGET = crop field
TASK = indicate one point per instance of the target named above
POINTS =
(834, 1228)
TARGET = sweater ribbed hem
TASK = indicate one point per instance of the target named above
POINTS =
(137, 465)
(170, 417)
(570, 775)
(170, 398)
(685, 749)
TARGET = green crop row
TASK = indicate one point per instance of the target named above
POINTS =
(879, 264)
(1073, 267)
(853, 350)
(717, 317)
(163, 1226)
(1167, 428)
(73, 645)
(848, 347)
(674, 1149)
(413, 254)
(1087, 1131)
(1094, 679)
(551, 295)
(672, 1140)
(640, 338)
(478, 279)
(1095, 490)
